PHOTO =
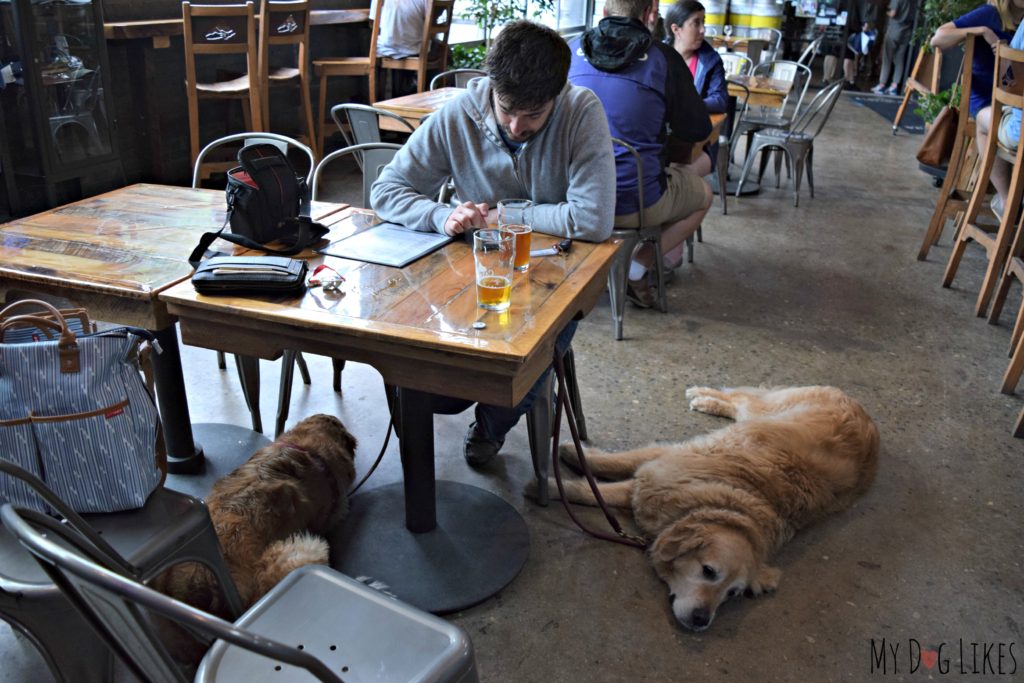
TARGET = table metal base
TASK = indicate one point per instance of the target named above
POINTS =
(225, 446)
(750, 186)
(478, 546)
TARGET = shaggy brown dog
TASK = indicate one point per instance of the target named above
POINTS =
(266, 512)
(718, 506)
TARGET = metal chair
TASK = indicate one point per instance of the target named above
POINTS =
(789, 110)
(773, 40)
(810, 52)
(375, 156)
(725, 145)
(460, 78)
(736, 64)
(360, 124)
(249, 367)
(315, 622)
(796, 141)
(171, 528)
(631, 237)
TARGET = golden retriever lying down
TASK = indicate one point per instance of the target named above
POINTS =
(267, 511)
(718, 506)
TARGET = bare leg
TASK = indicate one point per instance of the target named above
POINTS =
(1000, 177)
(610, 465)
(675, 234)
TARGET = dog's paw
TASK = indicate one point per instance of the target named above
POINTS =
(711, 405)
(766, 581)
(694, 392)
(567, 454)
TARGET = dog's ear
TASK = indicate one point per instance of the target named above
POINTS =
(766, 581)
(676, 540)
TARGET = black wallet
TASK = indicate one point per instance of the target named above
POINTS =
(250, 275)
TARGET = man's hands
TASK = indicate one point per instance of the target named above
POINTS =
(465, 216)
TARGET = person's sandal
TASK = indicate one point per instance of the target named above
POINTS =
(640, 293)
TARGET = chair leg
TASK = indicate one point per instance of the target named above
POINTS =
(659, 270)
(618, 275)
(1013, 371)
(338, 366)
(572, 384)
(700, 235)
(322, 116)
(743, 174)
(220, 361)
(722, 164)
(539, 428)
(689, 249)
(798, 171)
(284, 396)
(1018, 430)
(778, 167)
(765, 158)
(249, 376)
(810, 169)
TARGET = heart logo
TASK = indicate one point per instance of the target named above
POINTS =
(929, 657)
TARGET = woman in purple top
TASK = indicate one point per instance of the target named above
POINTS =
(994, 23)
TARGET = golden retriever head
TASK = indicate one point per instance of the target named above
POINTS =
(705, 564)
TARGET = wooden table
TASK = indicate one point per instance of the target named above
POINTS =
(415, 326)
(413, 108)
(764, 92)
(113, 254)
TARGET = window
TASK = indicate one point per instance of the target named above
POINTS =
(566, 16)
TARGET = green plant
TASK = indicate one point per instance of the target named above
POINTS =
(929, 106)
(935, 13)
(488, 14)
(467, 56)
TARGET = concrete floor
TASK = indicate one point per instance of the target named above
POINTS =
(827, 293)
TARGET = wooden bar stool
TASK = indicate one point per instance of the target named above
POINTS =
(286, 24)
(220, 30)
(924, 79)
(1014, 269)
(433, 46)
(961, 172)
(1007, 92)
(336, 67)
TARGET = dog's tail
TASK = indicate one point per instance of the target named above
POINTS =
(281, 557)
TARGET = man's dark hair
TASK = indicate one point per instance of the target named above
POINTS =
(678, 14)
(528, 65)
(634, 9)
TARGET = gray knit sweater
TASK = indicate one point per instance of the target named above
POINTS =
(567, 168)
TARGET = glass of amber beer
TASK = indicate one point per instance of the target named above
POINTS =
(494, 255)
(515, 215)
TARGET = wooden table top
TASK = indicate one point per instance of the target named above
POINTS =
(164, 28)
(414, 107)
(763, 91)
(115, 251)
(415, 324)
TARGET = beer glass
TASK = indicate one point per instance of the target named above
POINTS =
(494, 256)
(516, 216)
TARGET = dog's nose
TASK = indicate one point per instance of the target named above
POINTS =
(700, 618)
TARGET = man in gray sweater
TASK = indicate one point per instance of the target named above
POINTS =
(522, 132)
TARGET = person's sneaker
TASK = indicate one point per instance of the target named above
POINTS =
(640, 293)
(850, 85)
(997, 206)
(878, 89)
(892, 91)
(479, 450)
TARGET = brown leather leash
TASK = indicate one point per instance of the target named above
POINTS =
(562, 400)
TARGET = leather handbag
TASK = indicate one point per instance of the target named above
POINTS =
(251, 275)
(937, 146)
(75, 412)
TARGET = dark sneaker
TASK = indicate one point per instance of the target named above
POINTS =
(850, 85)
(479, 450)
(640, 293)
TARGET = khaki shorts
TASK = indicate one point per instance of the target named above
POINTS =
(684, 194)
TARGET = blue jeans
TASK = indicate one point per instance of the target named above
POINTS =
(494, 422)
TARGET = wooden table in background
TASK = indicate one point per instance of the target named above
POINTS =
(764, 92)
(450, 547)
(113, 254)
(413, 108)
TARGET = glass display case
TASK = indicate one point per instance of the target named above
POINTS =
(56, 95)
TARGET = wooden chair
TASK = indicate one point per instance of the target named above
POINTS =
(924, 79)
(220, 30)
(1007, 92)
(286, 24)
(433, 46)
(337, 67)
(962, 169)
(1014, 269)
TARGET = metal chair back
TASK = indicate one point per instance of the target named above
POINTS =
(785, 70)
(736, 64)
(458, 78)
(251, 138)
(375, 156)
(816, 114)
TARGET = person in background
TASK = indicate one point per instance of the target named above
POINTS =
(399, 36)
(993, 23)
(895, 45)
(651, 103)
(860, 16)
(522, 132)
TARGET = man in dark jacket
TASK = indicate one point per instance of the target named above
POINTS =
(648, 95)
